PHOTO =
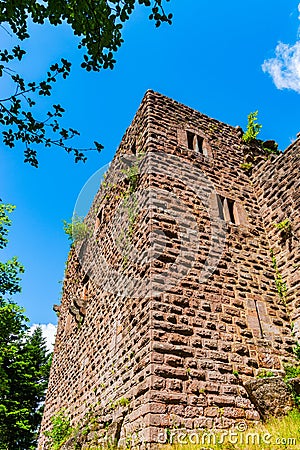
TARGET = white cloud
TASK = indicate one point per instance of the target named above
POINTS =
(49, 332)
(285, 67)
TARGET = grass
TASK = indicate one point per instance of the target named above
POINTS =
(277, 433)
(280, 433)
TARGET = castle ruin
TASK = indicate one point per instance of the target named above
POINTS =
(183, 287)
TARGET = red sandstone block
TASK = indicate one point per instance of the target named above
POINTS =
(244, 370)
(252, 414)
(234, 413)
(157, 382)
(176, 410)
(196, 400)
(215, 376)
(171, 372)
(223, 422)
(193, 412)
(157, 358)
(157, 408)
(242, 402)
(174, 385)
(211, 411)
(168, 397)
(173, 360)
(196, 342)
(212, 388)
(221, 400)
(203, 422)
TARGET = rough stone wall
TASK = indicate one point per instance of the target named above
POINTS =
(277, 185)
(180, 306)
(102, 356)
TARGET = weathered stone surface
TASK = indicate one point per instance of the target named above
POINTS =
(271, 396)
(176, 302)
(295, 385)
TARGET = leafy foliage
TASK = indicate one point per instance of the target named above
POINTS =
(24, 362)
(24, 369)
(76, 230)
(5, 222)
(280, 284)
(246, 166)
(60, 431)
(9, 276)
(265, 374)
(253, 128)
(250, 136)
(10, 270)
(291, 372)
(297, 351)
(285, 228)
(99, 25)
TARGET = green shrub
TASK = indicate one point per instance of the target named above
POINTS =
(61, 430)
(291, 372)
(246, 166)
(265, 374)
(76, 230)
(253, 128)
(285, 228)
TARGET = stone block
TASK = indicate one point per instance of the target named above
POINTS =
(271, 396)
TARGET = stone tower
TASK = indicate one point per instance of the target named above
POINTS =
(170, 301)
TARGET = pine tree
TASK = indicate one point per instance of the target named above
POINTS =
(24, 361)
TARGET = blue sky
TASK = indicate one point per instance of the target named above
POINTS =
(211, 59)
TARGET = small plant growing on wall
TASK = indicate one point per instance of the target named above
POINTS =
(290, 373)
(280, 284)
(76, 230)
(265, 374)
(123, 401)
(296, 350)
(246, 166)
(61, 430)
(130, 204)
(260, 148)
(285, 228)
(253, 128)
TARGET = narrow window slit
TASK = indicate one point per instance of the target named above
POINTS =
(190, 140)
(133, 148)
(230, 204)
(99, 219)
(227, 210)
(85, 289)
(221, 206)
(259, 320)
(200, 144)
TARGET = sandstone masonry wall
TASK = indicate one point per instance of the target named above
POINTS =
(171, 303)
(277, 185)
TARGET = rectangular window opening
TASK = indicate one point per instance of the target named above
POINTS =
(200, 144)
(220, 200)
(85, 290)
(190, 140)
(227, 210)
(133, 148)
(99, 219)
(230, 204)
